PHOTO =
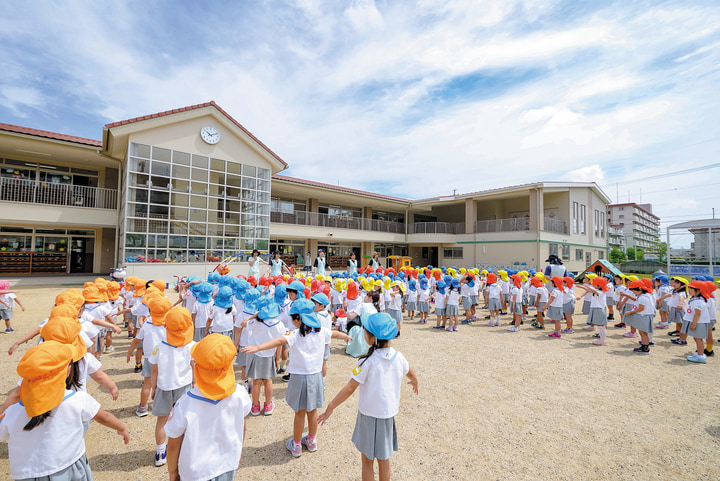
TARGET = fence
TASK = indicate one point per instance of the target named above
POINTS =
(36, 192)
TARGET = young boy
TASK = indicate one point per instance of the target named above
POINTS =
(7, 302)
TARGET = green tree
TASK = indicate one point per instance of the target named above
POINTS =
(661, 249)
(617, 256)
(635, 254)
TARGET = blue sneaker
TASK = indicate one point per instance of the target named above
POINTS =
(161, 458)
(695, 358)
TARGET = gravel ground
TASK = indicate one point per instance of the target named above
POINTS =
(493, 405)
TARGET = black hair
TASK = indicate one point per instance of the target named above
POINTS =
(304, 328)
(254, 251)
(73, 381)
(149, 283)
(378, 344)
(375, 296)
(682, 289)
(699, 294)
(453, 288)
(228, 310)
(468, 278)
(36, 421)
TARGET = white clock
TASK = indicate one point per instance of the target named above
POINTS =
(210, 135)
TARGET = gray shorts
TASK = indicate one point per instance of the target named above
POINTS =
(494, 304)
(199, 334)
(326, 355)
(305, 392)
(585, 307)
(532, 300)
(241, 358)
(411, 306)
(375, 438)
(517, 309)
(467, 303)
(165, 400)
(541, 305)
(555, 313)
(641, 322)
(675, 315)
(424, 306)
(569, 308)
(597, 316)
(147, 368)
(664, 307)
(609, 301)
(6, 314)
(80, 469)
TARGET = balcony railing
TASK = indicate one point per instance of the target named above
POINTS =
(502, 225)
(36, 192)
(324, 220)
(438, 228)
(556, 226)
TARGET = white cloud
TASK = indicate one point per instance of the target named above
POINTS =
(591, 173)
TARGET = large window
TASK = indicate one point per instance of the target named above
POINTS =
(453, 252)
(566, 253)
(582, 219)
(576, 217)
(182, 207)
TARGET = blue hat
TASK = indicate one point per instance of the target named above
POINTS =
(471, 282)
(251, 297)
(455, 283)
(213, 278)
(280, 293)
(302, 306)
(441, 287)
(204, 292)
(423, 283)
(240, 287)
(310, 320)
(321, 299)
(226, 280)
(381, 325)
(267, 309)
(298, 287)
(412, 285)
(224, 298)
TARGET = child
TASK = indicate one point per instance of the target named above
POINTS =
(379, 374)
(494, 296)
(516, 295)
(664, 292)
(640, 315)
(423, 300)
(541, 298)
(466, 291)
(260, 367)
(554, 305)
(45, 430)
(610, 297)
(7, 303)
(321, 302)
(201, 309)
(242, 335)
(677, 304)
(569, 304)
(620, 289)
(207, 425)
(171, 375)
(340, 320)
(440, 299)
(222, 315)
(305, 393)
(394, 307)
(596, 317)
(696, 321)
(412, 298)
(452, 307)
(712, 314)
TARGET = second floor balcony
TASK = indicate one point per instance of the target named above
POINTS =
(48, 193)
(338, 222)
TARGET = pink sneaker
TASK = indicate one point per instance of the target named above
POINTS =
(309, 443)
(554, 334)
(255, 410)
(454, 328)
(269, 408)
(630, 334)
(598, 343)
(294, 448)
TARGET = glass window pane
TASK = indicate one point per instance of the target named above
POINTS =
(215, 190)
(180, 172)
(198, 188)
(200, 161)
(214, 229)
(139, 180)
(160, 182)
(217, 164)
(159, 197)
(135, 253)
(234, 167)
(261, 244)
(231, 230)
(180, 199)
(248, 183)
(199, 175)
(138, 210)
(158, 153)
(136, 225)
(263, 233)
(248, 194)
(263, 221)
(179, 213)
(196, 242)
(160, 168)
(217, 178)
(232, 206)
(233, 180)
(249, 170)
(264, 197)
(264, 209)
(198, 215)
(232, 218)
(263, 173)
(263, 185)
(248, 207)
(134, 240)
(181, 158)
(247, 231)
(179, 185)
(158, 226)
(140, 150)
(248, 219)
(161, 240)
(157, 254)
(178, 242)
(215, 216)
(177, 227)
(232, 192)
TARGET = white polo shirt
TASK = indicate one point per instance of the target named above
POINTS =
(261, 332)
(89, 364)
(380, 378)
(213, 433)
(173, 362)
(542, 294)
(151, 336)
(325, 319)
(494, 291)
(306, 352)
(201, 311)
(697, 304)
(558, 298)
(245, 334)
(222, 321)
(52, 446)
(599, 299)
(440, 300)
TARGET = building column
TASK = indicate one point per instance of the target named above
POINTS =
(537, 210)
(313, 209)
(470, 215)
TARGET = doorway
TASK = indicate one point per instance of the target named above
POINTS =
(82, 254)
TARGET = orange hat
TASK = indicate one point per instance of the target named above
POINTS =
(352, 290)
(64, 310)
(701, 287)
(92, 294)
(179, 326)
(72, 297)
(569, 281)
(635, 285)
(65, 330)
(160, 284)
(647, 284)
(213, 370)
(159, 307)
(44, 368)
(600, 282)
(151, 292)
(139, 287)
(113, 290)
(130, 281)
(710, 288)
(536, 282)
(491, 278)
(516, 280)
(557, 281)
(102, 286)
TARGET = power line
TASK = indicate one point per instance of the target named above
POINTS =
(662, 176)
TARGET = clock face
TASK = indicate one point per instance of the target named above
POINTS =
(210, 135)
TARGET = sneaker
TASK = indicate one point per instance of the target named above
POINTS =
(620, 325)
(294, 448)
(438, 327)
(255, 410)
(449, 328)
(642, 350)
(282, 370)
(554, 334)
(679, 341)
(696, 358)
(286, 378)
(138, 367)
(661, 325)
(513, 329)
(473, 318)
(141, 411)
(709, 353)
(454, 328)
(539, 326)
(161, 458)
(598, 343)
(9, 330)
(130, 336)
(110, 349)
(590, 328)
(497, 324)
(673, 333)
(568, 331)
(491, 324)
(630, 334)
(651, 343)
(268, 408)
(310, 445)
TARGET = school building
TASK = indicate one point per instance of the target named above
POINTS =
(176, 192)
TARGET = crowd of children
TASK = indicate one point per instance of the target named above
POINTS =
(282, 326)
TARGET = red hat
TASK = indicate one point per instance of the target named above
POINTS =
(306, 293)
(361, 270)
(600, 282)
(491, 278)
(647, 284)
(569, 281)
(557, 281)
(516, 280)
(325, 290)
(340, 313)
(352, 290)
(635, 285)
(438, 275)
(252, 281)
(536, 282)
(710, 288)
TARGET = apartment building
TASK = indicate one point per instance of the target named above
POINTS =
(639, 226)
(175, 192)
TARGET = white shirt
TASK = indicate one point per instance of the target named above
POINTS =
(151, 336)
(261, 332)
(140, 310)
(647, 305)
(306, 352)
(350, 304)
(325, 319)
(89, 364)
(558, 298)
(453, 298)
(599, 299)
(213, 433)
(173, 365)
(424, 295)
(189, 300)
(542, 294)
(697, 304)
(202, 312)
(440, 300)
(9, 300)
(380, 378)
(222, 321)
(677, 300)
(52, 446)
(395, 302)
(712, 310)
(568, 295)
(493, 291)
(516, 294)
(245, 333)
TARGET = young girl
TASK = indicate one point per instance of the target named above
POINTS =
(242, 334)
(452, 307)
(640, 315)
(379, 374)
(586, 281)
(620, 289)
(696, 321)
(516, 294)
(494, 296)
(596, 317)
(423, 300)
(222, 315)
(321, 302)
(305, 393)
(412, 298)
(45, 430)
(541, 298)
(677, 304)
(569, 304)
(440, 300)
(7, 303)
(395, 304)
(260, 366)
(712, 314)
(467, 284)
(554, 305)
(664, 292)
(610, 297)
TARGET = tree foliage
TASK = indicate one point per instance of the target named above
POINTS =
(617, 256)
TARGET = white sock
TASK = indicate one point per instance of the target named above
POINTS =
(160, 448)
(603, 333)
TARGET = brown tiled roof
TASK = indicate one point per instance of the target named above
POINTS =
(193, 107)
(337, 187)
(49, 135)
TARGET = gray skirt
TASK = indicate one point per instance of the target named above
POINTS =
(375, 438)
(555, 313)
(146, 368)
(440, 311)
(532, 300)
(326, 355)
(664, 307)
(224, 333)
(597, 317)
(259, 367)
(569, 308)
(609, 301)
(494, 304)
(585, 307)
(526, 300)
(517, 308)
(641, 322)
(424, 306)
(541, 305)
(241, 358)
(452, 310)
(199, 334)
(77, 471)
(700, 331)
(411, 306)
(506, 297)
(305, 392)
(675, 315)
(395, 314)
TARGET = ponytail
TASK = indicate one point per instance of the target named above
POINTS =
(36, 421)
(73, 381)
(378, 344)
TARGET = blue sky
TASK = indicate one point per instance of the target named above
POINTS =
(429, 97)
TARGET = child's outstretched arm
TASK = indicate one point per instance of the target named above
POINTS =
(7, 306)
(104, 380)
(340, 335)
(340, 398)
(23, 340)
(110, 421)
(13, 398)
(271, 344)
(413, 380)
(20, 304)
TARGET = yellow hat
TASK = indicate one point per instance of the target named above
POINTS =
(72, 297)
(159, 307)
(484, 272)
(632, 278)
(681, 280)
(44, 368)
(179, 327)
(65, 330)
(213, 370)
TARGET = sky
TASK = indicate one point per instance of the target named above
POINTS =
(412, 99)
